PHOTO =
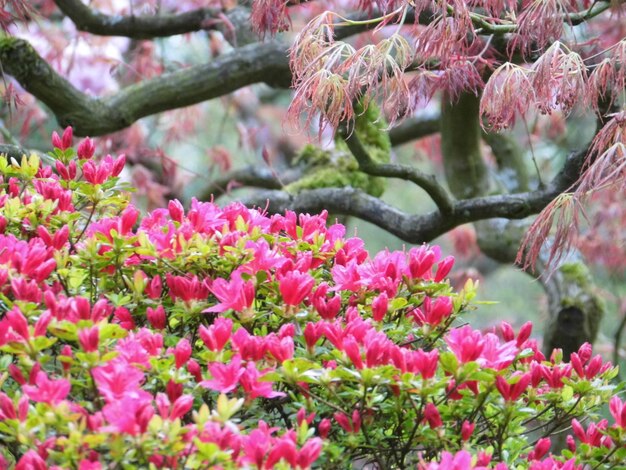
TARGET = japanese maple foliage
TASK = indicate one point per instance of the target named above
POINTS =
(224, 338)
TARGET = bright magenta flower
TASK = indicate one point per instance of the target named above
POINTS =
(511, 392)
(237, 294)
(433, 312)
(295, 286)
(156, 317)
(254, 387)
(46, 390)
(182, 352)
(65, 142)
(618, 411)
(89, 338)
(225, 376)
(86, 149)
(31, 460)
(432, 416)
(109, 167)
(187, 288)
(115, 380)
(130, 415)
(465, 343)
(217, 335)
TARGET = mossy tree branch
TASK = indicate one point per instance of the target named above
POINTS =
(414, 228)
(425, 181)
(97, 116)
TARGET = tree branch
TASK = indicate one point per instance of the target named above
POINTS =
(92, 116)
(413, 129)
(421, 228)
(251, 176)
(425, 181)
(136, 27)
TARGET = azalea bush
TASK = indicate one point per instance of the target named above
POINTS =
(223, 338)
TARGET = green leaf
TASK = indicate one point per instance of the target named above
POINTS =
(449, 362)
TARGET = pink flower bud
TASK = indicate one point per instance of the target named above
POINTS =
(507, 331)
(181, 406)
(156, 317)
(541, 448)
(444, 267)
(431, 414)
(182, 352)
(16, 374)
(524, 333)
(173, 390)
(380, 306)
(89, 338)
(324, 428)
(154, 288)
(56, 141)
(176, 210)
(466, 430)
(68, 136)
(194, 369)
(86, 149)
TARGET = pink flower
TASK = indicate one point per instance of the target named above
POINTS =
(89, 465)
(495, 355)
(312, 333)
(511, 392)
(433, 312)
(187, 288)
(31, 460)
(462, 460)
(323, 428)
(595, 434)
(154, 288)
(108, 168)
(7, 408)
(89, 338)
(380, 305)
(86, 149)
(237, 294)
(176, 210)
(443, 268)
(217, 335)
(541, 448)
(309, 452)
(295, 287)
(225, 376)
(68, 172)
(254, 387)
(327, 308)
(65, 142)
(421, 261)
(349, 425)
(130, 415)
(182, 352)
(156, 317)
(465, 343)
(116, 380)
(618, 411)
(423, 362)
(46, 390)
(432, 416)
(346, 277)
(467, 429)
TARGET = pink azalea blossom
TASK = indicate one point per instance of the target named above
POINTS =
(235, 294)
(225, 376)
(46, 390)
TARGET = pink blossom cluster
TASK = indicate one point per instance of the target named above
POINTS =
(228, 338)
